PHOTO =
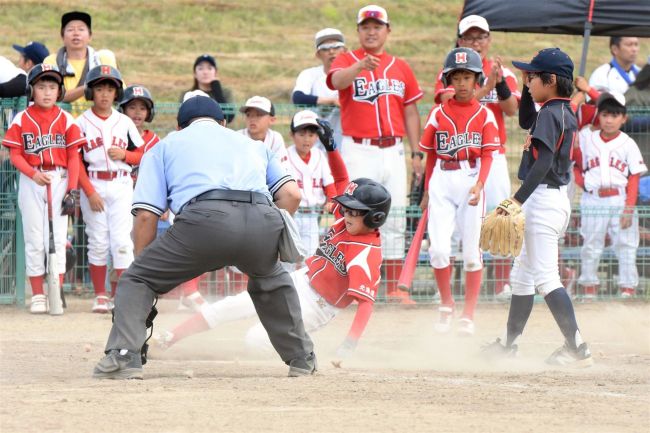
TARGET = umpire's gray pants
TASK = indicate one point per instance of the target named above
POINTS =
(209, 235)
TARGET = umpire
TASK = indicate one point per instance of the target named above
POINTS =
(219, 184)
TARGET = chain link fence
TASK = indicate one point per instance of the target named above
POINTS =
(229, 281)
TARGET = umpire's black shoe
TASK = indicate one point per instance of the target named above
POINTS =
(119, 366)
(497, 350)
(303, 366)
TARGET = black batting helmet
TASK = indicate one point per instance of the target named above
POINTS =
(368, 195)
(42, 70)
(103, 73)
(138, 92)
(463, 59)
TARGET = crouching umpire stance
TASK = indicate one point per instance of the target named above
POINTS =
(219, 184)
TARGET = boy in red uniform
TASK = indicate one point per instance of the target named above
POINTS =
(345, 268)
(43, 142)
(459, 136)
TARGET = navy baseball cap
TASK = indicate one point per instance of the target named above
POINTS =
(550, 60)
(34, 51)
(198, 106)
(205, 58)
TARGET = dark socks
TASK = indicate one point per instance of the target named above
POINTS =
(520, 309)
(559, 303)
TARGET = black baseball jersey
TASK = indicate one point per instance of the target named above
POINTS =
(556, 126)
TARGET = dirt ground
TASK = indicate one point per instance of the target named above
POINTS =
(403, 378)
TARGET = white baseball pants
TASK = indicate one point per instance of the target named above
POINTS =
(601, 216)
(388, 167)
(547, 217)
(32, 202)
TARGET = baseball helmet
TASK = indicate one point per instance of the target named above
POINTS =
(39, 71)
(366, 194)
(102, 73)
(463, 58)
(138, 92)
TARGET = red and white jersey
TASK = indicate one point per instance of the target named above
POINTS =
(312, 176)
(490, 100)
(346, 267)
(102, 134)
(275, 143)
(460, 131)
(44, 136)
(373, 105)
(608, 164)
(150, 139)
(587, 114)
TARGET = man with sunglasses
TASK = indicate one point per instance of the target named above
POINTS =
(378, 95)
(499, 92)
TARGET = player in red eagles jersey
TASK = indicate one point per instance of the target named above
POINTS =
(460, 137)
(344, 269)
(43, 142)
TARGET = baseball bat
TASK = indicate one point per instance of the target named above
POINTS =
(54, 297)
(411, 261)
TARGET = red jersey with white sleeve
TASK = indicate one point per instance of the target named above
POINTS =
(490, 100)
(460, 131)
(373, 105)
(346, 267)
(102, 134)
(43, 136)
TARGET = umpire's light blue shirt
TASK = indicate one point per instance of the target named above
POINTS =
(202, 157)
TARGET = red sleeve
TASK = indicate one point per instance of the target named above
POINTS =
(152, 142)
(441, 89)
(428, 139)
(13, 135)
(84, 180)
(134, 157)
(577, 167)
(330, 191)
(339, 171)
(18, 160)
(632, 190)
(511, 81)
(593, 93)
(413, 90)
(342, 61)
(73, 167)
(361, 318)
(486, 163)
(73, 135)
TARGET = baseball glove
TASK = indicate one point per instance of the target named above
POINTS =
(68, 204)
(503, 234)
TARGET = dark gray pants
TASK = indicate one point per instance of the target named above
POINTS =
(209, 235)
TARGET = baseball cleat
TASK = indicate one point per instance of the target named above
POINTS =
(38, 305)
(497, 350)
(446, 315)
(627, 293)
(193, 302)
(101, 304)
(162, 341)
(566, 356)
(505, 294)
(303, 366)
(119, 364)
(466, 327)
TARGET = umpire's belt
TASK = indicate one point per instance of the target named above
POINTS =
(231, 195)
(380, 142)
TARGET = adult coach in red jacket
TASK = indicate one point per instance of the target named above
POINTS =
(378, 94)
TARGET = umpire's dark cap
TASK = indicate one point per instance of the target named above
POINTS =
(550, 60)
(76, 15)
(198, 106)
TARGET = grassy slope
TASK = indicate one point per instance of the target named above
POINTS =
(260, 46)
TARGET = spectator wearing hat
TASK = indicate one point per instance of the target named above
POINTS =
(221, 185)
(31, 55)
(311, 88)
(13, 79)
(77, 57)
(206, 78)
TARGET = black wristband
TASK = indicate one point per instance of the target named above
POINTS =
(420, 154)
(503, 91)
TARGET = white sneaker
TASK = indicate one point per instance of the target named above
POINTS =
(446, 315)
(505, 294)
(101, 304)
(194, 302)
(38, 305)
(162, 341)
(466, 327)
